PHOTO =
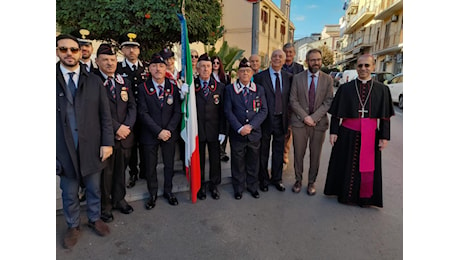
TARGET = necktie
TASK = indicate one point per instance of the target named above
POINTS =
(311, 95)
(245, 94)
(205, 89)
(161, 94)
(111, 87)
(134, 68)
(278, 99)
(71, 84)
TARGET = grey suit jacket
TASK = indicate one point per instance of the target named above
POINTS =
(299, 100)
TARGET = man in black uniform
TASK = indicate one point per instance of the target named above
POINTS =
(211, 124)
(159, 114)
(134, 70)
(123, 111)
(86, 46)
(245, 107)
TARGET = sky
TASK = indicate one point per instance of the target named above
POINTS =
(310, 16)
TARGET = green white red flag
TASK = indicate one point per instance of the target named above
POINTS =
(189, 126)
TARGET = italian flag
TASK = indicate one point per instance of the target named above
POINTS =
(189, 126)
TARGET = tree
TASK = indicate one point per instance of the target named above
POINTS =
(154, 21)
(328, 55)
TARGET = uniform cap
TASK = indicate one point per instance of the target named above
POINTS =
(128, 39)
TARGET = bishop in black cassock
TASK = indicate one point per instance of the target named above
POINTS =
(360, 101)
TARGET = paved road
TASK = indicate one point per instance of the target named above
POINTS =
(276, 226)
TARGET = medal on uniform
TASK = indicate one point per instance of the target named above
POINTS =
(216, 99)
(151, 89)
(124, 94)
(256, 104)
(169, 100)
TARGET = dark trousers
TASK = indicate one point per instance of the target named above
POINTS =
(151, 161)
(277, 137)
(214, 162)
(136, 156)
(113, 179)
(245, 165)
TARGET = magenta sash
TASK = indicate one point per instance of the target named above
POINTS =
(367, 128)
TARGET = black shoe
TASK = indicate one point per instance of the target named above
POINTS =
(263, 187)
(132, 181)
(224, 158)
(201, 194)
(311, 189)
(171, 198)
(215, 194)
(150, 204)
(107, 216)
(123, 207)
(254, 194)
(238, 195)
(279, 186)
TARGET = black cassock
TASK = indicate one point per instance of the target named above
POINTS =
(343, 176)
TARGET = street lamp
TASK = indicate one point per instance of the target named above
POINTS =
(255, 26)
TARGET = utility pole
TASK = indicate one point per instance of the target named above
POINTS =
(255, 26)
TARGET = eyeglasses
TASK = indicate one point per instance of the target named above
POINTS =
(195, 56)
(65, 49)
(216, 62)
(365, 65)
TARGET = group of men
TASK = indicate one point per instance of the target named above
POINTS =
(109, 112)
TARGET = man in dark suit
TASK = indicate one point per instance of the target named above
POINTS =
(277, 87)
(159, 113)
(123, 110)
(292, 67)
(245, 107)
(135, 71)
(310, 99)
(84, 137)
(211, 124)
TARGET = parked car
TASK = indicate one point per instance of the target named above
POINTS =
(336, 78)
(382, 76)
(396, 88)
(348, 75)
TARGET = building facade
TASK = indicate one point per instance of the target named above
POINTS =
(374, 27)
(273, 32)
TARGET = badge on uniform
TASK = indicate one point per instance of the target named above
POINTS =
(256, 104)
(216, 99)
(170, 100)
(124, 94)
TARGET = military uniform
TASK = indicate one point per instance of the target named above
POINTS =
(158, 111)
(211, 123)
(136, 74)
(245, 149)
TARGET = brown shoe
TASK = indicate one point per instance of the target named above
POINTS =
(99, 227)
(297, 186)
(311, 189)
(71, 237)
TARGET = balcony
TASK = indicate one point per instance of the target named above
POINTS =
(353, 7)
(385, 11)
(365, 14)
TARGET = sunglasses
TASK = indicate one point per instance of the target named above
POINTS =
(365, 65)
(216, 62)
(65, 49)
(195, 56)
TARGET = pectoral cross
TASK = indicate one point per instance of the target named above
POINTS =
(362, 111)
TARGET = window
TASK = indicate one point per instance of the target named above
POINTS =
(264, 19)
(276, 29)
